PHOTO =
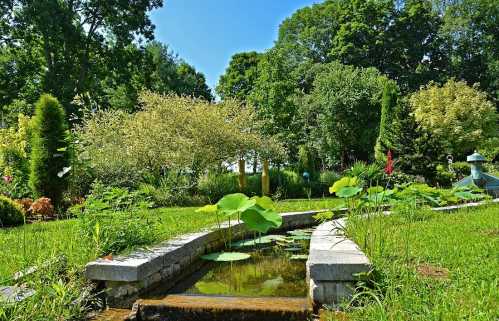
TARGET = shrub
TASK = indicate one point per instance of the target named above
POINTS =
(165, 195)
(371, 174)
(457, 116)
(253, 185)
(42, 207)
(110, 199)
(217, 185)
(462, 169)
(177, 134)
(49, 154)
(11, 213)
(14, 148)
(112, 232)
(327, 179)
(288, 182)
(25, 203)
(443, 176)
(400, 178)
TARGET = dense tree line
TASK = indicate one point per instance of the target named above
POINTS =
(74, 47)
(307, 97)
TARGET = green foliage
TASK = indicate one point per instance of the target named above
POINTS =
(239, 77)
(327, 178)
(370, 174)
(11, 214)
(177, 135)
(345, 181)
(394, 39)
(113, 232)
(60, 292)
(343, 113)
(424, 194)
(168, 74)
(167, 194)
(258, 213)
(49, 150)
(444, 177)
(388, 126)
(14, 163)
(462, 169)
(64, 47)
(458, 116)
(457, 245)
(272, 95)
(216, 185)
(226, 256)
(108, 199)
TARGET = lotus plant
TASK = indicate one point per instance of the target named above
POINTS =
(258, 213)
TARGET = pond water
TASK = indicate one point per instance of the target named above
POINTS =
(276, 270)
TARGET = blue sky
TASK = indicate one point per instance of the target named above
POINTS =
(206, 33)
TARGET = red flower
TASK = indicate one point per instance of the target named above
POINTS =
(389, 163)
(7, 179)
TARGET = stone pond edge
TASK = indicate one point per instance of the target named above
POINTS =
(126, 277)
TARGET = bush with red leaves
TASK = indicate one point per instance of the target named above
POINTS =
(25, 203)
(42, 207)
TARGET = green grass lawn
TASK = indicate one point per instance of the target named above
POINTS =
(461, 249)
(28, 245)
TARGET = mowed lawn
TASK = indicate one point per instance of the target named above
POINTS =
(31, 244)
(442, 266)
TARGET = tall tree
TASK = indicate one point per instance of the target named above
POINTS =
(343, 113)
(471, 29)
(74, 37)
(273, 96)
(165, 73)
(239, 79)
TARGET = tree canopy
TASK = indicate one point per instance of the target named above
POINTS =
(72, 47)
(240, 77)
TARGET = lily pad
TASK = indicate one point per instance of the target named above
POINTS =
(263, 240)
(251, 242)
(299, 257)
(300, 232)
(226, 256)
(293, 249)
(300, 237)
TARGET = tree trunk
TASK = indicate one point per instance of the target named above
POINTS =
(265, 178)
(242, 174)
(255, 163)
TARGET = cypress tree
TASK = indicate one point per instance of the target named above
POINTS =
(388, 124)
(49, 149)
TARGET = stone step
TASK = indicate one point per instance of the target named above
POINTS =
(112, 315)
(213, 308)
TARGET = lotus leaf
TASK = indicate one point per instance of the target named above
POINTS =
(226, 256)
(348, 191)
(344, 182)
(235, 203)
(260, 220)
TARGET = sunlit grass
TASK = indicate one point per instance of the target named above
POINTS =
(464, 243)
(31, 244)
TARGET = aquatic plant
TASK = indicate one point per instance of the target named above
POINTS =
(258, 213)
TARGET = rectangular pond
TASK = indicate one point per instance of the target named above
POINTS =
(273, 270)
